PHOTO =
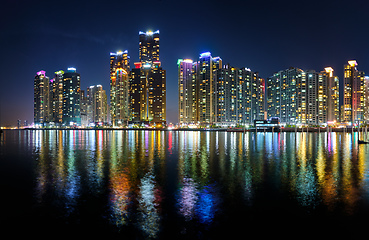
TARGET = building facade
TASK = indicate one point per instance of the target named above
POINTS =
(119, 88)
(187, 91)
(149, 47)
(71, 98)
(42, 104)
(207, 67)
(333, 100)
(147, 83)
(97, 108)
(210, 93)
(303, 97)
(239, 96)
(353, 100)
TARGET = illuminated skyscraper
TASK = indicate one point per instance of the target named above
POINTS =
(206, 68)
(333, 111)
(239, 96)
(119, 87)
(42, 108)
(71, 98)
(57, 98)
(187, 94)
(149, 47)
(353, 101)
(96, 98)
(366, 99)
(148, 83)
(303, 97)
(282, 96)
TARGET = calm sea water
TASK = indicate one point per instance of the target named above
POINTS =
(182, 185)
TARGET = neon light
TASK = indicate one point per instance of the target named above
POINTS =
(352, 63)
(59, 72)
(329, 70)
(72, 69)
(179, 61)
(147, 65)
(148, 32)
(42, 72)
(188, 61)
(205, 54)
(138, 64)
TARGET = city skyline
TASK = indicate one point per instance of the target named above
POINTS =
(264, 38)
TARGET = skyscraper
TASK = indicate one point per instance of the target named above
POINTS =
(41, 104)
(71, 98)
(282, 96)
(119, 87)
(187, 95)
(305, 97)
(149, 47)
(333, 111)
(96, 98)
(206, 69)
(57, 98)
(353, 100)
(239, 96)
(148, 83)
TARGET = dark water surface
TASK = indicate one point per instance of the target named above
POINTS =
(182, 185)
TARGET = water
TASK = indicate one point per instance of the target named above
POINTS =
(182, 185)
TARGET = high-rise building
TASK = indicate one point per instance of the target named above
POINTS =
(366, 99)
(187, 94)
(210, 93)
(282, 96)
(298, 96)
(119, 88)
(353, 100)
(148, 83)
(57, 98)
(206, 69)
(239, 96)
(71, 98)
(333, 111)
(149, 47)
(97, 99)
(41, 104)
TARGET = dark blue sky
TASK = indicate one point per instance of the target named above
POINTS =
(266, 36)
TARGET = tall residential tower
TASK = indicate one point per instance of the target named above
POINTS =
(353, 101)
(148, 83)
(119, 88)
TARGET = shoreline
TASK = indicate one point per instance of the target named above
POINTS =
(312, 129)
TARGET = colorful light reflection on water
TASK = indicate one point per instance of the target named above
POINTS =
(153, 183)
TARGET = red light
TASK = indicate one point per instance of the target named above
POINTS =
(138, 64)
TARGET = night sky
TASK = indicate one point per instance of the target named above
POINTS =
(266, 36)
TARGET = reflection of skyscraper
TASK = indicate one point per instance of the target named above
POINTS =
(353, 93)
(71, 97)
(119, 87)
(42, 107)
